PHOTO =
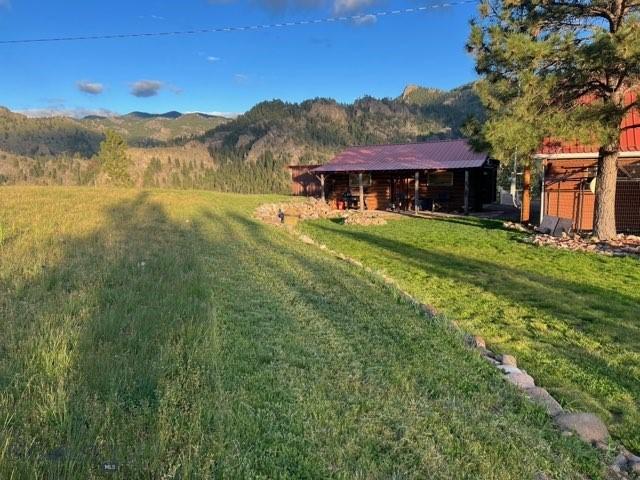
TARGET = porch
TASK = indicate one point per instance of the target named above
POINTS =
(461, 191)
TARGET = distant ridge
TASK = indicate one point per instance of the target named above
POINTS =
(173, 115)
(241, 153)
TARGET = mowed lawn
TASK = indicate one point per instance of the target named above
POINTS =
(571, 319)
(167, 334)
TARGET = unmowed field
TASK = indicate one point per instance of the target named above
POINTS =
(168, 334)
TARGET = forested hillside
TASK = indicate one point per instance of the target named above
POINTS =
(144, 129)
(37, 137)
(247, 154)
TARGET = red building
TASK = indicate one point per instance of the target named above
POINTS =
(570, 170)
(443, 175)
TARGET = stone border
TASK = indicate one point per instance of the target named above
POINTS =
(586, 426)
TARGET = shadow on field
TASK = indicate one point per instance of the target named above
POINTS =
(584, 308)
(119, 321)
(209, 347)
(581, 305)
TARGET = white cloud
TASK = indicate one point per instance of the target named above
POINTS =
(151, 17)
(92, 88)
(350, 6)
(364, 20)
(78, 112)
(241, 78)
(212, 59)
(146, 88)
(220, 114)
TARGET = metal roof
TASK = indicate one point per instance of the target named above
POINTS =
(450, 154)
(629, 137)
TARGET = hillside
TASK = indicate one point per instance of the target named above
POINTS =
(247, 154)
(453, 107)
(144, 129)
(312, 131)
(42, 137)
(36, 137)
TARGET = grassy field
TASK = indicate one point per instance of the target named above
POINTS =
(571, 319)
(170, 335)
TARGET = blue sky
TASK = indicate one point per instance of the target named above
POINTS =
(223, 72)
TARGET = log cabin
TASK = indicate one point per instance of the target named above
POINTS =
(435, 176)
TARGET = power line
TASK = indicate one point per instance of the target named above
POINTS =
(348, 18)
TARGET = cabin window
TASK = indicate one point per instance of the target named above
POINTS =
(440, 179)
(354, 181)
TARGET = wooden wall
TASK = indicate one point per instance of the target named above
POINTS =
(303, 182)
(567, 193)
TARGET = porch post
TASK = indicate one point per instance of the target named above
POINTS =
(361, 191)
(416, 195)
(466, 192)
(322, 187)
(525, 212)
(542, 193)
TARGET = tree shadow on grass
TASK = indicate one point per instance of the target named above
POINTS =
(110, 351)
(589, 314)
(580, 305)
(213, 348)
(388, 344)
(470, 221)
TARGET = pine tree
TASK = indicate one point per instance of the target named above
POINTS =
(114, 161)
(564, 69)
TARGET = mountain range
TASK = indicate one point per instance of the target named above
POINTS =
(247, 153)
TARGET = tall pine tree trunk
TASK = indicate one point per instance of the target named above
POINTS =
(605, 221)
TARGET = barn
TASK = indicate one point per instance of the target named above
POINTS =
(569, 172)
(435, 176)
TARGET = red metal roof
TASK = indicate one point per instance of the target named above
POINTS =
(449, 154)
(629, 137)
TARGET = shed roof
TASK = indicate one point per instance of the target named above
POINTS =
(629, 138)
(450, 154)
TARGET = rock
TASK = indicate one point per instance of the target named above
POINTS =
(508, 360)
(620, 462)
(543, 398)
(485, 352)
(492, 361)
(635, 468)
(631, 457)
(475, 341)
(509, 369)
(602, 446)
(521, 380)
(541, 476)
(587, 426)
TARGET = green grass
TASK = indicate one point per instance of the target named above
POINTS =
(571, 319)
(171, 334)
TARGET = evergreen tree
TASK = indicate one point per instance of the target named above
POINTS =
(114, 160)
(564, 69)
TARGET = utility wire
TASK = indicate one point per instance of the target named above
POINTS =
(362, 17)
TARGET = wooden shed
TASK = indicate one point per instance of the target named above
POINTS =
(304, 181)
(443, 175)
(570, 170)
